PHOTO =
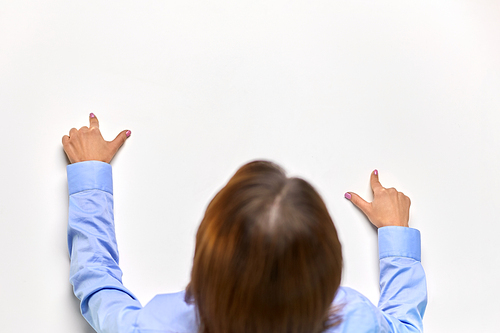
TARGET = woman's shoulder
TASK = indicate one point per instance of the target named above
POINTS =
(167, 313)
(170, 313)
(357, 313)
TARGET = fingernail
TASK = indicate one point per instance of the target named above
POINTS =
(348, 195)
(128, 133)
(375, 172)
(92, 115)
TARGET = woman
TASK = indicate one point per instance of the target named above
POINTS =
(267, 256)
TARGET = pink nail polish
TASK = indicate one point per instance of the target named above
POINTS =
(92, 115)
(348, 195)
(375, 172)
(128, 133)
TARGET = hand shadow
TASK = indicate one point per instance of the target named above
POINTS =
(65, 156)
(375, 230)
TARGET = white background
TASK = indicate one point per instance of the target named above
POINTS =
(330, 90)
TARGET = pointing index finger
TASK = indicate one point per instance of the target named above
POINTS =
(374, 182)
(93, 121)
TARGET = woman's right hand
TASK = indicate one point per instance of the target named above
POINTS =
(388, 208)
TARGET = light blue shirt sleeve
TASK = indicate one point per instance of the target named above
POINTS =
(403, 287)
(94, 272)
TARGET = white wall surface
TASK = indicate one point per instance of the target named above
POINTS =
(328, 89)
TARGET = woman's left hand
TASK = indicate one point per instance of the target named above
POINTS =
(87, 143)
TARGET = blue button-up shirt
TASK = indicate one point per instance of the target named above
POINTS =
(110, 307)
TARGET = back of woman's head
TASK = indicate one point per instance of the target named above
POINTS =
(267, 256)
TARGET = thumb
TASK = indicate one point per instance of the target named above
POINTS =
(119, 140)
(359, 202)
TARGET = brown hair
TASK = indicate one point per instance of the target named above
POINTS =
(267, 256)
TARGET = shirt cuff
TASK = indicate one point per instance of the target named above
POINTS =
(399, 242)
(89, 175)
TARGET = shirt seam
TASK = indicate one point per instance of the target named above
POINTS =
(92, 189)
(399, 256)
